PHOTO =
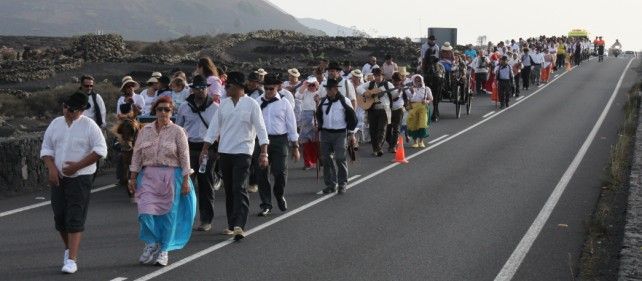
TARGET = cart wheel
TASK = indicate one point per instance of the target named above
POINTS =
(457, 98)
(468, 102)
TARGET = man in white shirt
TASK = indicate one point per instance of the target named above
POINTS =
(71, 146)
(480, 65)
(367, 68)
(97, 110)
(380, 112)
(236, 125)
(504, 76)
(538, 61)
(396, 113)
(347, 88)
(336, 117)
(195, 116)
(281, 127)
(389, 67)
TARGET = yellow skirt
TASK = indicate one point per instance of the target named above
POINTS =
(418, 117)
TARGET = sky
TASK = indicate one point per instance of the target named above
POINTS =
(621, 19)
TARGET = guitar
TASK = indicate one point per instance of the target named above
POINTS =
(370, 97)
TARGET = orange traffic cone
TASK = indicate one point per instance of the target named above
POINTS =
(400, 154)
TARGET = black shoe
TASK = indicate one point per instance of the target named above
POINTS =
(265, 212)
(283, 205)
(501, 106)
(329, 190)
(379, 153)
(238, 233)
(342, 189)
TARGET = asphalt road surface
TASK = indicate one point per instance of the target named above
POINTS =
(457, 211)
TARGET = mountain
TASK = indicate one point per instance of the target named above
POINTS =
(332, 29)
(144, 20)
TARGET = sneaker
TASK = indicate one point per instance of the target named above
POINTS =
(414, 145)
(66, 256)
(218, 182)
(282, 204)
(69, 266)
(238, 233)
(342, 189)
(204, 227)
(227, 231)
(265, 212)
(422, 145)
(149, 252)
(253, 188)
(162, 258)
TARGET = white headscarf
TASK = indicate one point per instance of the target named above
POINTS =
(423, 85)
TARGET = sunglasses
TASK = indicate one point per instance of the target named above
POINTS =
(88, 86)
(163, 109)
(269, 88)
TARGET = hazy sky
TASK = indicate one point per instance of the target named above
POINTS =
(613, 19)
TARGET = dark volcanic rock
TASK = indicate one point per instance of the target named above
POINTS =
(98, 48)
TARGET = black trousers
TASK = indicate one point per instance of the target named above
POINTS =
(378, 120)
(70, 202)
(235, 169)
(517, 77)
(560, 61)
(392, 130)
(278, 167)
(480, 79)
(204, 182)
(504, 91)
(526, 76)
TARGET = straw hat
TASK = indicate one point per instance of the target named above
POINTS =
(128, 80)
(157, 74)
(403, 71)
(152, 80)
(357, 73)
(447, 47)
(262, 71)
(294, 72)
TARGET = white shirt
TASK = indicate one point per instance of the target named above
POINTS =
(73, 143)
(91, 112)
(237, 126)
(475, 64)
(389, 69)
(138, 101)
(421, 94)
(307, 99)
(367, 68)
(539, 58)
(179, 97)
(504, 72)
(279, 118)
(399, 103)
(346, 89)
(149, 101)
(287, 95)
(384, 101)
(336, 118)
(192, 123)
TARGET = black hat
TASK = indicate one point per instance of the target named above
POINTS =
(332, 83)
(377, 71)
(272, 79)
(253, 76)
(504, 58)
(199, 82)
(78, 101)
(335, 65)
(125, 108)
(235, 78)
(431, 37)
(164, 80)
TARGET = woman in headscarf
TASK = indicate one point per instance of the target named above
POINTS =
(418, 116)
(160, 170)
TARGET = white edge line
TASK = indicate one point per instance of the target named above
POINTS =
(519, 98)
(119, 279)
(318, 200)
(488, 114)
(45, 203)
(438, 139)
(517, 257)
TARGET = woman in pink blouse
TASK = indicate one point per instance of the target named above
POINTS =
(207, 69)
(160, 172)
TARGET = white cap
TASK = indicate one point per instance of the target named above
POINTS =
(311, 79)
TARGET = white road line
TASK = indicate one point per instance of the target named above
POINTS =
(349, 180)
(45, 203)
(519, 98)
(516, 259)
(119, 279)
(488, 114)
(438, 139)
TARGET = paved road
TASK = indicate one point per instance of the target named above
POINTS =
(456, 212)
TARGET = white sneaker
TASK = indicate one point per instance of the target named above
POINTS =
(162, 259)
(70, 266)
(253, 188)
(149, 253)
(65, 257)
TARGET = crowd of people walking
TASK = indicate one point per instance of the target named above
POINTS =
(238, 131)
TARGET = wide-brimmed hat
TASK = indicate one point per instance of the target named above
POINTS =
(157, 74)
(294, 72)
(199, 83)
(356, 73)
(152, 80)
(235, 78)
(78, 101)
(403, 71)
(312, 79)
(446, 46)
(253, 76)
(261, 71)
(335, 65)
(128, 80)
(272, 79)
(332, 83)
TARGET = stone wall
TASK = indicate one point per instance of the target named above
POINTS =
(98, 48)
(22, 171)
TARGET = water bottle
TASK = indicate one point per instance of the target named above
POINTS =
(203, 166)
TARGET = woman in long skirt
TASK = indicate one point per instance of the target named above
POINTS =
(160, 172)
(418, 115)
